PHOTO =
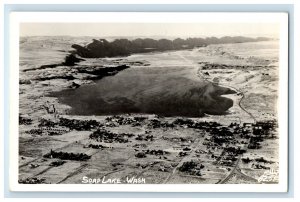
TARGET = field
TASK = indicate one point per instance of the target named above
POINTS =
(205, 116)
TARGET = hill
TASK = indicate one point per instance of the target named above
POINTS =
(124, 47)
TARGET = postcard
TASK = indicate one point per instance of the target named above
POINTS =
(167, 102)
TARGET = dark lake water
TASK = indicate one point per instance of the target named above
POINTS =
(167, 91)
(169, 86)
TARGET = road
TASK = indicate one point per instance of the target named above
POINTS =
(236, 169)
(194, 147)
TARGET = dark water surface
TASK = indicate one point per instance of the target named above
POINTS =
(166, 91)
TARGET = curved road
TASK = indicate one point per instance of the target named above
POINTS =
(236, 168)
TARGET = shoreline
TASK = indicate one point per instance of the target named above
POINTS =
(156, 148)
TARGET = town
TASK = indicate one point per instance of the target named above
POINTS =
(156, 145)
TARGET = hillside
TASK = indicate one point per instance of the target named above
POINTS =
(124, 47)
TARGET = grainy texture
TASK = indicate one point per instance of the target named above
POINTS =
(201, 114)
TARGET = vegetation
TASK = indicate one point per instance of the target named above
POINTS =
(140, 155)
(24, 121)
(67, 156)
(36, 131)
(102, 135)
(46, 123)
(33, 180)
(54, 133)
(57, 163)
(80, 125)
(96, 146)
(156, 152)
(246, 160)
(191, 167)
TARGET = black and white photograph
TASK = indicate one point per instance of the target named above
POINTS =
(153, 99)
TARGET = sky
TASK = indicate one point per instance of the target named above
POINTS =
(182, 30)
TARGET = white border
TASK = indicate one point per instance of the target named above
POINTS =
(19, 17)
(174, 2)
(148, 17)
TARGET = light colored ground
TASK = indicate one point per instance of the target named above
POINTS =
(260, 95)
